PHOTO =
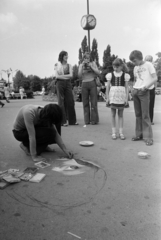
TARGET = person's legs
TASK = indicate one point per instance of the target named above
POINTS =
(93, 99)
(113, 118)
(69, 101)
(7, 100)
(138, 114)
(146, 123)
(151, 105)
(60, 86)
(44, 137)
(85, 100)
(2, 104)
(120, 123)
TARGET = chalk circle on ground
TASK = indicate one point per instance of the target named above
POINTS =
(86, 143)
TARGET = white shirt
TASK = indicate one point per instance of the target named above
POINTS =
(117, 74)
(143, 74)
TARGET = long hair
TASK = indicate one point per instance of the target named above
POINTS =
(118, 62)
(87, 54)
(61, 56)
(51, 113)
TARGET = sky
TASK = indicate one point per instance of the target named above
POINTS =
(34, 32)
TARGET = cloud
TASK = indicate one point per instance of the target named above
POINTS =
(7, 21)
(34, 4)
(137, 35)
(10, 26)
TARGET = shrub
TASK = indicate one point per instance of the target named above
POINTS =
(29, 94)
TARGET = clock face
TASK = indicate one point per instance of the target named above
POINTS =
(91, 20)
(84, 21)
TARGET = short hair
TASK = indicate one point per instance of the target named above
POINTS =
(149, 58)
(51, 112)
(61, 56)
(136, 55)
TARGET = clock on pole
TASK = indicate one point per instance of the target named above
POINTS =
(88, 22)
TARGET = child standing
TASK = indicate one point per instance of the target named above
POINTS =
(145, 77)
(117, 95)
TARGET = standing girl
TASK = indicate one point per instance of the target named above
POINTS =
(117, 95)
(88, 72)
(63, 74)
(7, 92)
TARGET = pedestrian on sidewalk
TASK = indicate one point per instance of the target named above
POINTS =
(117, 95)
(21, 92)
(149, 58)
(7, 92)
(36, 127)
(145, 77)
(1, 103)
(63, 74)
(88, 72)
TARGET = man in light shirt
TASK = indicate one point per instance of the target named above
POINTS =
(145, 77)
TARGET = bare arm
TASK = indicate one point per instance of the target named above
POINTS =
(66, 76)
(127, 91)
(61, 144)
(31, 132)
(80, 70)
(108, 90)
(94, 68)
(154, 77)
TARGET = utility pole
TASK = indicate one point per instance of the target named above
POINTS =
(89, 48)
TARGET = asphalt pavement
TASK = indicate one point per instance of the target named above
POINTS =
(119, 201)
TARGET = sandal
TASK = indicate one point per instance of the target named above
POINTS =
(65, 125)
(149, 142)
(137, 138)
(121, 136)
(114, 137)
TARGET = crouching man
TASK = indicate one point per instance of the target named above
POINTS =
(36, 127)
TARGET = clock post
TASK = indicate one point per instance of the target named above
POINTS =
(89, 48)
(88, 22)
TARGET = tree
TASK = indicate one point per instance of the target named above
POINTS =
(83, 49)
(107, 62)
(80, 56)
(18, 80)
(157, 65)
(84, 45)
(36, 83)
(75, 74)
(94, 52)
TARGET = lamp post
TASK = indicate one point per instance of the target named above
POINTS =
(89, 48)
(88, 22)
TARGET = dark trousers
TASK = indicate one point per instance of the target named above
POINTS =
(44, 137)
(151, 105)
(66, 101)
(141, 106)
(89, 95)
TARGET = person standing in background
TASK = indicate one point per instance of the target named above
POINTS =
(1, 103)
(7, 92)
(21, 91)
(145, 77)
(149, 58)
(63, 74)
(88, 72)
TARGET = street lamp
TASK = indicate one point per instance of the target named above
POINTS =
(88, 22)
(9, 72)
